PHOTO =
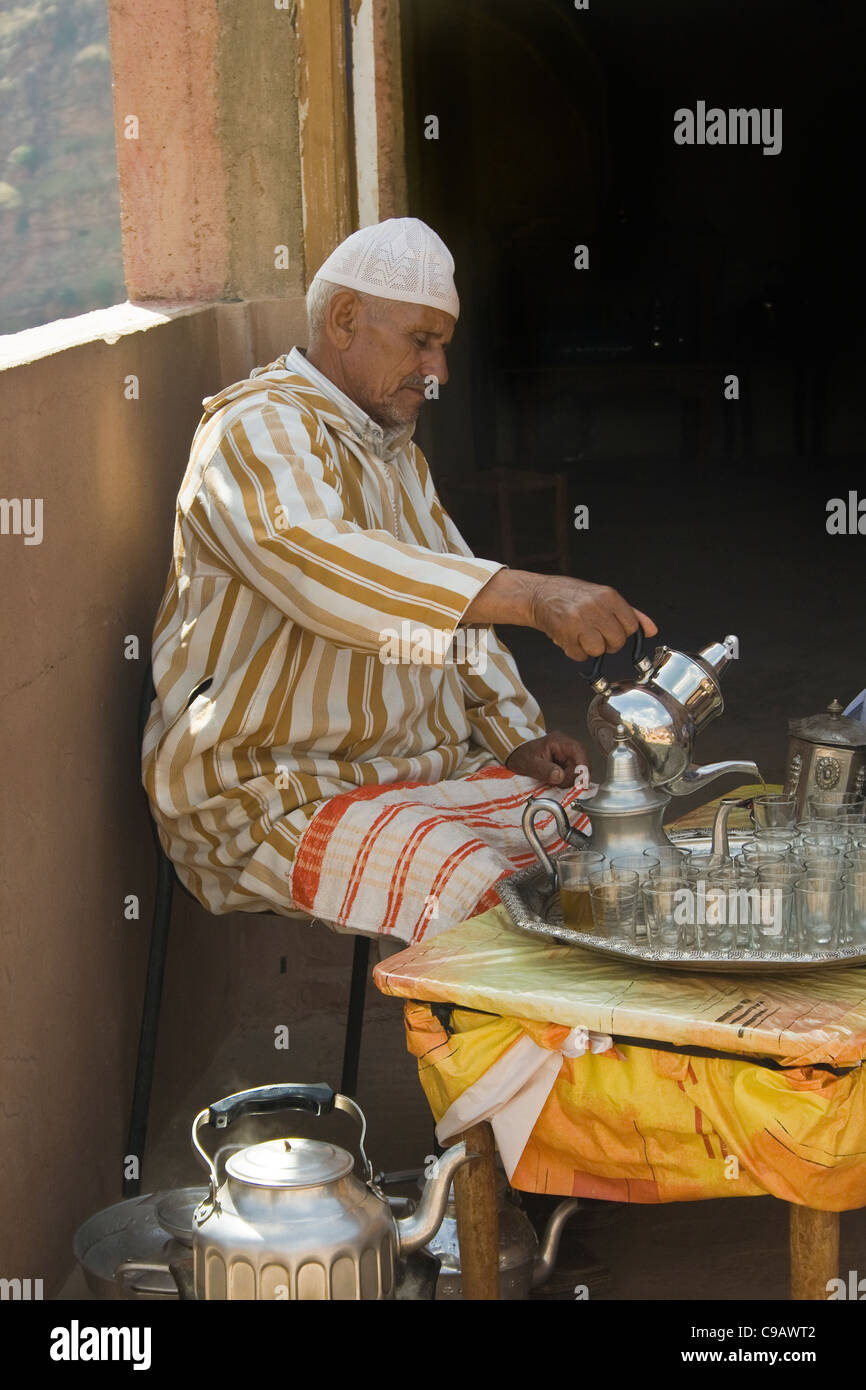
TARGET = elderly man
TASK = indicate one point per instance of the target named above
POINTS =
(307, 530)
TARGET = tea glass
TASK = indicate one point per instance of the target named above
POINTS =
(614, 894)
(701, 864)
(823, 857)
(832, 805)
(718, 915)
(774, 811)
(573, 869)
(854, 883)
(771, 923)
(838, 836)
(819, 902)
(755, 854)
(641, 864)
(778, 840)
(670, 857)
(666, 908)
(742, 893)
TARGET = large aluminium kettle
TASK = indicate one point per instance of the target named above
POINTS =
(673, 698)
(290, 1220)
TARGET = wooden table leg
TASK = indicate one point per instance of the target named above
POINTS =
(814, 1251)
(478, 1217)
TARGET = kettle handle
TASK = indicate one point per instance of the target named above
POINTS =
(636, 657)
(315, 1099)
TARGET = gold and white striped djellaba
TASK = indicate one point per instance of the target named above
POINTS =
(296, 545)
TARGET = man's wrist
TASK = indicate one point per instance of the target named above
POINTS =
(509, 596)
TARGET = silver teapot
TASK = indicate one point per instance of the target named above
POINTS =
(673, 698)
(625, 813)
(290, 1220)
(826, 753)
(525, 1263)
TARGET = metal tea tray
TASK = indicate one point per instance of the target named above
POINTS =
(534, 907)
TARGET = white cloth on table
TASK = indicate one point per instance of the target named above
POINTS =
(512, 1093)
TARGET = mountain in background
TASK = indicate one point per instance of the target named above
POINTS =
(60, 245)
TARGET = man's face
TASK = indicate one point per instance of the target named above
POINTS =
(392, 351)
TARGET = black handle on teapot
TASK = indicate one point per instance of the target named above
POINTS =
(636, 656)
(317, 1099)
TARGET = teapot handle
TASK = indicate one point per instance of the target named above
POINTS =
(636, 656)
(549, 807)
(315, 1099)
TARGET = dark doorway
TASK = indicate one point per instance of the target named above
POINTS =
(556, 130)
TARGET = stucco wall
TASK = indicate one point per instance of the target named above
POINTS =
(75, 838)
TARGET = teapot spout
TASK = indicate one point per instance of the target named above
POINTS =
(416, 1230)
(696, 777)
(548, 1249)
(716, 655)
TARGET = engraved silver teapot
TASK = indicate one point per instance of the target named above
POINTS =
(674, 696)
(826, 753)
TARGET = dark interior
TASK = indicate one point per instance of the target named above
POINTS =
(556, 130)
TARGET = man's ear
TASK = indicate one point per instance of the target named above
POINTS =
(343, 312)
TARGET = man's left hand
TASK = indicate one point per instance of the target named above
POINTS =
(554, 758)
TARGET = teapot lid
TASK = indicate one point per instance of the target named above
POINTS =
(831, 726)
(625, 787)
(290, 1163)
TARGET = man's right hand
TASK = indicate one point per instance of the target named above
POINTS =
(585, 620)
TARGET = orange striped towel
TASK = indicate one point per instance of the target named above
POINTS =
(410, 859)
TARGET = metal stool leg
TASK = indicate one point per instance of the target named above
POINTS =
(149, 1022)
(355, 1015)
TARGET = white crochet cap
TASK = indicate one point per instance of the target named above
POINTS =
(401, 258)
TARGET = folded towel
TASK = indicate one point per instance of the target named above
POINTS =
(512, 1093)
(409, 860)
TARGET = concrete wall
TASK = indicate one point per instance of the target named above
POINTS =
(76, 840)
(233, 141)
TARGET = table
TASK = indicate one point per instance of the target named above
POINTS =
(806, 1021)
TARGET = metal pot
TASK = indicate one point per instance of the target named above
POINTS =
(524, 1263)
(674, 697)
(290, 1220)
(625, 814)
(826, 752)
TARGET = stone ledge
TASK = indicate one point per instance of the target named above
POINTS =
(17, 349)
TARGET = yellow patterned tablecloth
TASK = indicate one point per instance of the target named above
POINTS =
(640, 1123)
(487, 964)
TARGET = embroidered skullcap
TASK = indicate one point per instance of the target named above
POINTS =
(401, 258)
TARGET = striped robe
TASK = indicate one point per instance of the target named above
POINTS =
(295, 547)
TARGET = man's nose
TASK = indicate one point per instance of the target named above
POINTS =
(435, 364)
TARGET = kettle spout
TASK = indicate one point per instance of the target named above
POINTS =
(416, 1230)
(716, 655)
(696, 777)
(548, 1249)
